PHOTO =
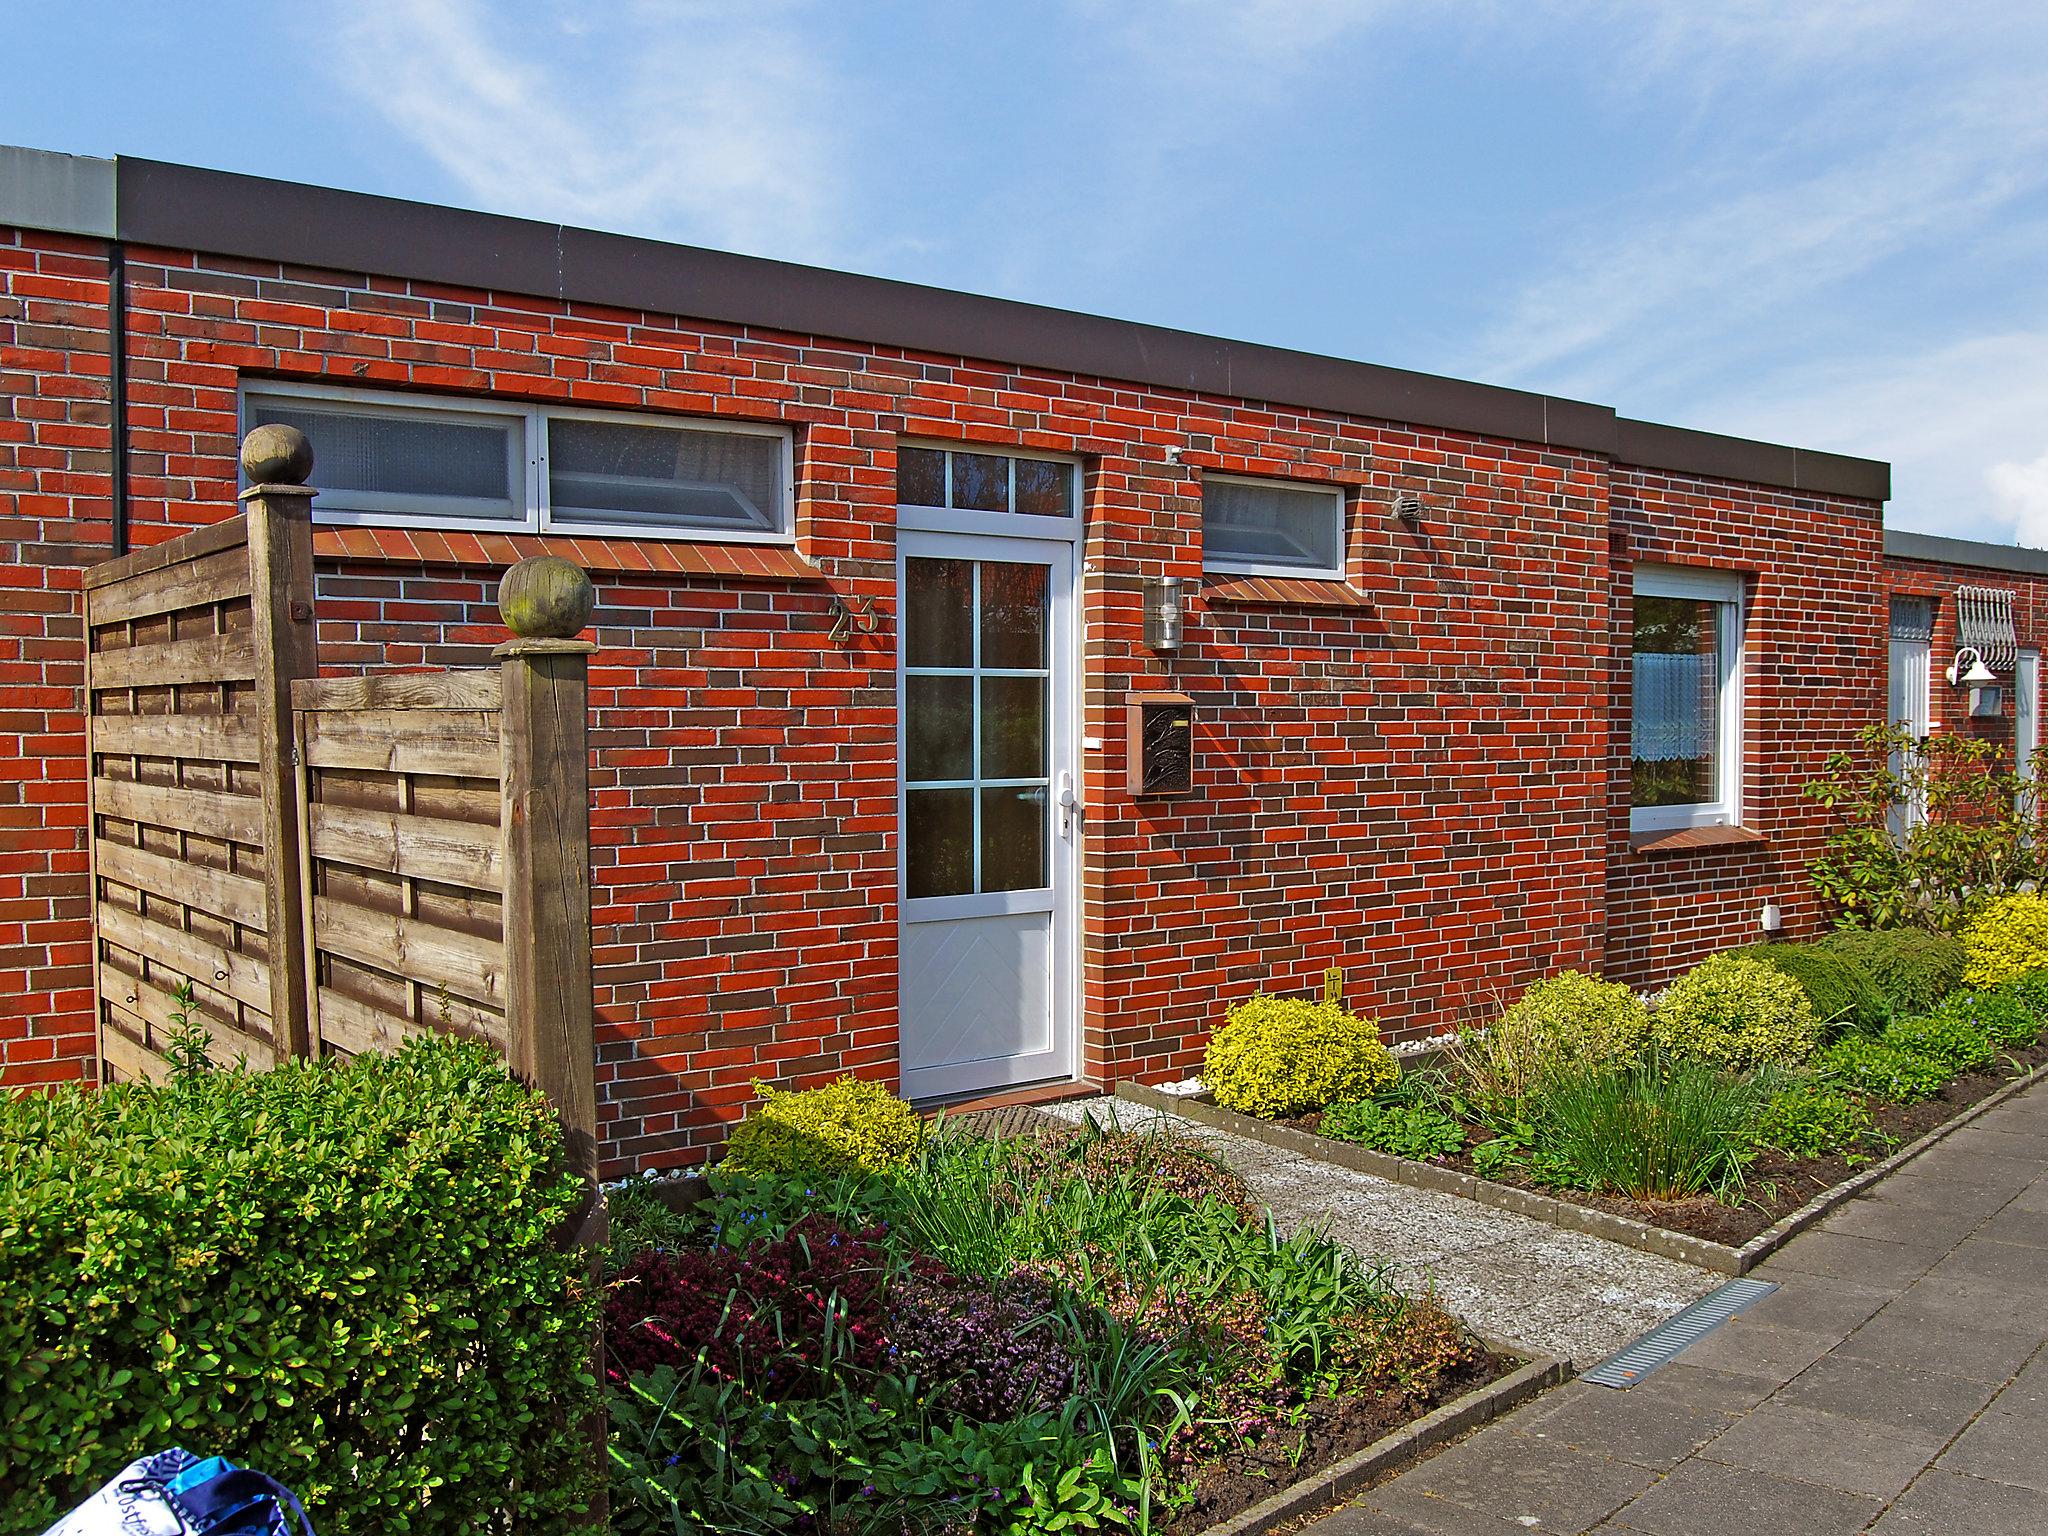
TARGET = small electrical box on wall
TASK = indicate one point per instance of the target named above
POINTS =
(1986, 703)
(1160, 755)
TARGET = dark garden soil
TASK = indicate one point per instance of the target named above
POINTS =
(1776, 1185)
(1332, 1430)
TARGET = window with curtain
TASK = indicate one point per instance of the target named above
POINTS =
(505, 466)
(1685, 732)
(1272, 527)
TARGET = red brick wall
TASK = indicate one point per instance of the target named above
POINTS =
(1812, 675)
(54, 500)
(1420, 792)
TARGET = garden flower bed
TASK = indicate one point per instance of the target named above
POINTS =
(1068, 1330)
(1760, 1089)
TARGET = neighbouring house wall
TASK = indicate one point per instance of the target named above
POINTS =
(1938, 580)
(54, 520)
(1421, 791)
(1813, 673)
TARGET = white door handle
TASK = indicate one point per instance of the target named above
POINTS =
(1068, 802)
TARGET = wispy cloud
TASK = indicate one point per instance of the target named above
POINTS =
(699, 122)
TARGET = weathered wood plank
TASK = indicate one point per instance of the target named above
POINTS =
(281, 622)
(205, 811)
(552, 1028)
(235, 897)
(198, 583)
(127, 1059)
(463, 963)
(243, 977)
(195, 545)
(208, 738)
(420, 847)
(349, 1024)
(449, 744)
(143, 999)
(469, 688)
(202, 659)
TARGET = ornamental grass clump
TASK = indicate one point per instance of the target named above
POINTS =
(1737, 1013)
(2007, 939)
(851, 1125)
(1276, 1057)
(1569, 1021)
(1659, 1131)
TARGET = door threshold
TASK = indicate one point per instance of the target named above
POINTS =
(1027, 1095)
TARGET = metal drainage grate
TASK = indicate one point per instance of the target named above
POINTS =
(1661, 1345)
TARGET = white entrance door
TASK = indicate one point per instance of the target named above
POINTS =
(987, 811)
(1906, 702)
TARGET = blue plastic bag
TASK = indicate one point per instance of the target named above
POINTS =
(175, 1493)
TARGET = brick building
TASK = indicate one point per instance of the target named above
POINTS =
(1469, 685)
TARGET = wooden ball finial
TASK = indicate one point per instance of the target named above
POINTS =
(277, 455)
(545, 597)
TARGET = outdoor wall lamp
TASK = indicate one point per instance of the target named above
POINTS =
(1163, 612)
(1976, 676)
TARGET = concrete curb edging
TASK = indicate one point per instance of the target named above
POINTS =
(1564, 1214)
(1343, 1478)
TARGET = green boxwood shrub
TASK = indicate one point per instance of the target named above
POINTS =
(1567, 1022)
(1736, 1012)
(2009, 938)
(1914, 969)
(1843, 992)
(1279, 1056)
(1810, 1119)
(849, 1126)
(342, 1274)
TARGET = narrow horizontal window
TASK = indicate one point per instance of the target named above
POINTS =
(506, 466)
(407, 462)
(1271, 527)
(614, 473)
(964, 481)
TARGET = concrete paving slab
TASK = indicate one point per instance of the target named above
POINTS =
(1864, 1260)
(1836, 1309)
(1953, 1504)
(1853, 1455)
(2004, 1448)
(1920, 1401)
(1970, 1349)
(1705, 1498)
(1741, 1347)
(1519, 1479)
(1656, 1425)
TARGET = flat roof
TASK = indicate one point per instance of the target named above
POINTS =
(1902, 544)
(182, 207)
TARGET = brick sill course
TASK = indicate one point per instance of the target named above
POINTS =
(1695, 839)
(1719, 1257)
(1284, 592)
(642, 557)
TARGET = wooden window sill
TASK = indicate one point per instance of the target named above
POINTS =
(1695, 839)
(1283, 592)
(640, 557)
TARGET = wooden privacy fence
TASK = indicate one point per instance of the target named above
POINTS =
(331, 864)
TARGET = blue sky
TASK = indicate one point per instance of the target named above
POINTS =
(1822, 222)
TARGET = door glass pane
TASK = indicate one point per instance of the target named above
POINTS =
(1676, 670)
(920, 477)
(938, 855)
(981, 482)
(1044, 489)
(938, 614)
(1012, 614)
(1012, 727)
(938, 728)
(1013, 839)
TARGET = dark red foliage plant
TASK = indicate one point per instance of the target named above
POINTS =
(778, 1316)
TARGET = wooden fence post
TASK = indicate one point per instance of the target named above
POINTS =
(550, 1025)
(278, 506)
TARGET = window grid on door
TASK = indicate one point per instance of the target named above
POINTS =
(976, 784)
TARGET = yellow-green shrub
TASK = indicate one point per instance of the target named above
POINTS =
(1571, 1020)
(2008, 938)
(1735, 1011)
(848, 1126)
(1277, 1056)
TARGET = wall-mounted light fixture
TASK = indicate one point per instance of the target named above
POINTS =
(1977, 674)
(1408, 508)
(1163, 612)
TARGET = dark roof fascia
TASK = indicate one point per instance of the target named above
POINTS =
(186, 208)
(1903, 544)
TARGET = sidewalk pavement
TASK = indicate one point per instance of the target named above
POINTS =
(1896, 1383)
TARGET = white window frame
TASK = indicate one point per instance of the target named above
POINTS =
(1726, 589)
(530, 478)
(917, 517)
(1228, 565)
